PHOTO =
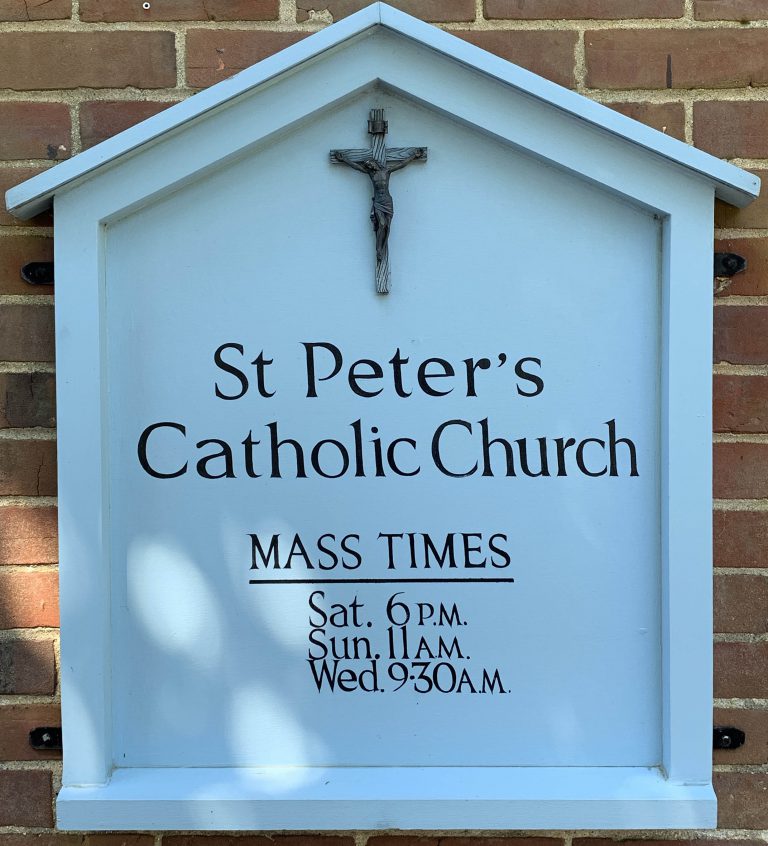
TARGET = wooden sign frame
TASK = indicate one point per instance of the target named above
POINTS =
(382, 47)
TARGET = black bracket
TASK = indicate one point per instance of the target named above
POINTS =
(46, 739)
(727, 737)
(727, 265)
(38, 273)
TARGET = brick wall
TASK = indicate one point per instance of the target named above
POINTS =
(72, 73)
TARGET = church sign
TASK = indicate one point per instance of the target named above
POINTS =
(384, 400)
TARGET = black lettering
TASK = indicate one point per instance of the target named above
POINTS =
(613, 442)
(225, 452)
(358, 559)
(397, 361)
(249, 444)
(522, 445)
(274, 446)
(393, 462)
(310, 364)
(261, 365)
(537, 381)
(507, 559)
(488, 442)
(315, 459)
(354, 376)
(142, 450)
(424, 377)
(472, 365)
(562, 445)
(437, 458)
(230, 368)
(580, 457)
(330, 553)
(272, 552)
(469, 549)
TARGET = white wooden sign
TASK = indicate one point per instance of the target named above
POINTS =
(336, 559)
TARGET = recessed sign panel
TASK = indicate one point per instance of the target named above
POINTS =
(413, 529)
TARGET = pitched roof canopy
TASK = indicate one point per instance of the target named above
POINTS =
(730, 183)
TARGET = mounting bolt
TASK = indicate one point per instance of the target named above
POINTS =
(727, 737)
(46, 738)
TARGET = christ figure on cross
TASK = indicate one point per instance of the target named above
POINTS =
(378, 163)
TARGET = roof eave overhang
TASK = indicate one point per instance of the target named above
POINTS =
(731, 184)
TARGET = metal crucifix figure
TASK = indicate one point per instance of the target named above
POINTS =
(379, 162)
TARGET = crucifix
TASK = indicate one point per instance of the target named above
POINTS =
(378, 162)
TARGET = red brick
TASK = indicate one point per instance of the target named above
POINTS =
(731, 129)
(35, 10)
(119, 840)
(43, 60)
(755, 725)
(415, 840)
(16, 722)
(741, 334)
(34, 130)
(657, 58)
(741, 604)
(27, 400)
(257, 840)
(741, 538)
(27, 667)
(582, 9)
(29, 598)
(9, 178)
(30, 839)
(437, 11)
(25, 798)
(213, 55)
(741, 471)
(740, 404)
(753, 281)
(730, 10)
(668, 118)
(622, 841)
(741, 670)
(26, 333)
(753, 216)
(549, 53)
(179, 10)
(103, 119)
(15, 252)
(742, 800)
(27, 468)
(28, 535)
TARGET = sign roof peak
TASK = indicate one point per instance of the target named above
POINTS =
(731, 183)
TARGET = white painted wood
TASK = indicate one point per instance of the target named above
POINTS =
(686, 460)
(83, 505)
(605, 608)
(731, 184)
(433, 798)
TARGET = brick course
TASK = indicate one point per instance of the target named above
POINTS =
(547, 53)
(213, 55)
(51, 60)
(28, 535)
(25, 798)
(179, 10)
(429, 10)
(34, 131)
(703, 58)
(104, 118)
